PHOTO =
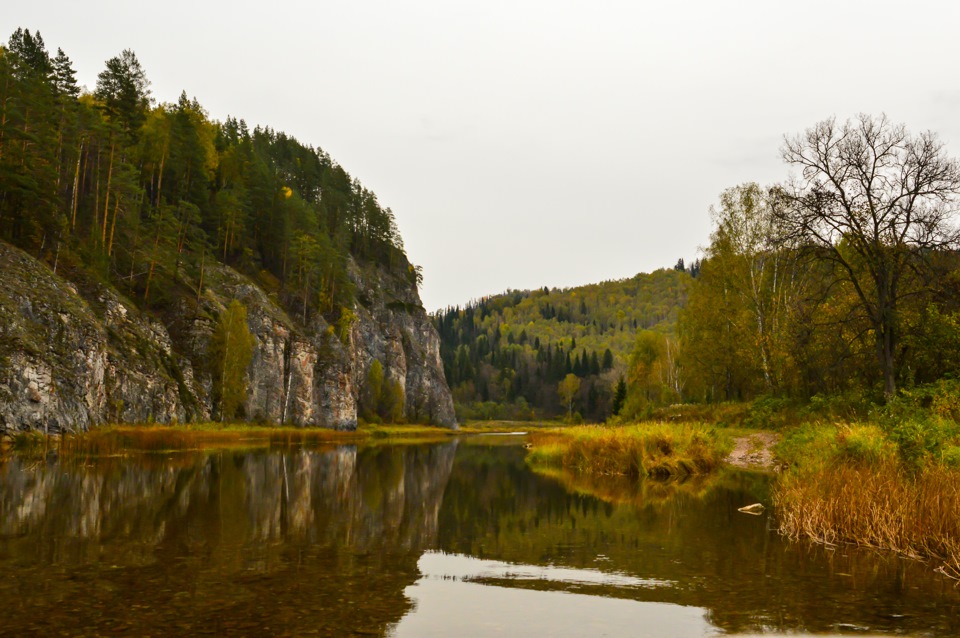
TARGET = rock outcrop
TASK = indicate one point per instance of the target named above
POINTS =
(76, 355)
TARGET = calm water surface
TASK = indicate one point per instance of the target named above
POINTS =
(428, 540)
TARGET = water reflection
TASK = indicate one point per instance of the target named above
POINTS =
(732, 565)
(421, 540)
(292, 542)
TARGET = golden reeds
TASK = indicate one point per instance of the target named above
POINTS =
(650, 449)
(876, 505)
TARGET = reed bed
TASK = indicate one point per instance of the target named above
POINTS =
(651, 449)
(877, 505)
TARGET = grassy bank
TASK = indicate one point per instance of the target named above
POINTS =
(650, 449)
(892, 483)
(121, 439)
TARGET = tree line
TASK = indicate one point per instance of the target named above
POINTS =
(146, 194)
(506, 356)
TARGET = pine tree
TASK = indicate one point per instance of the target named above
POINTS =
(619, 396)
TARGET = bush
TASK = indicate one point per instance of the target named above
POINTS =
(769, 412)
(864, 445)
(950, 456)
(917, 440)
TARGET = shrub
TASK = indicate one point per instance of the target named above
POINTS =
(864, 444)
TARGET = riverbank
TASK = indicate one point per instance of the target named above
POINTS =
(893, 484)
(111, 440)
(889, 481)
(120, 439)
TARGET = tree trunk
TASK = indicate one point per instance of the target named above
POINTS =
(106, 199)
(113, 225)
(76, 188)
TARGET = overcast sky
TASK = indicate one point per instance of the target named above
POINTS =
(523, 144)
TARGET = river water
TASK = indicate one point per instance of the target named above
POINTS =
(455, 539)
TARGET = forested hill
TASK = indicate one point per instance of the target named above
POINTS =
(145, 193)
(505, 355)
(217, 270)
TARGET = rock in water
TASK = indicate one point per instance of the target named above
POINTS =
(756, 509)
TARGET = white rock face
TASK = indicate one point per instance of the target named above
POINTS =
(70, 361)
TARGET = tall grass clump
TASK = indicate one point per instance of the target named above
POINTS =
(651, 449)
(883, 505)
(892, 482)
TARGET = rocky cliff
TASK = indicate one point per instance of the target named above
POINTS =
(74, 354)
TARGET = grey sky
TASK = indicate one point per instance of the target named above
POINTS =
(523, 144)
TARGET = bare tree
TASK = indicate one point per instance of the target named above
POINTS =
(875, 200)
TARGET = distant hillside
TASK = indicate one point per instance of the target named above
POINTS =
(505, 355)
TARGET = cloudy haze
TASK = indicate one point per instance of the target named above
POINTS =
(523, 144)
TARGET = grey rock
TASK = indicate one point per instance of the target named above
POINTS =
(71, 359)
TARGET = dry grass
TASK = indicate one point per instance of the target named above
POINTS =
(650, 449)
(119, 440)
(880, 506)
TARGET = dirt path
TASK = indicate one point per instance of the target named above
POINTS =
(755, 451)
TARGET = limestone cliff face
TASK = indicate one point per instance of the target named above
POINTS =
(393, 328)
(74, 356)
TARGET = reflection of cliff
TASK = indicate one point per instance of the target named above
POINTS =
(367, 498)
(294, 541)
(692, 539)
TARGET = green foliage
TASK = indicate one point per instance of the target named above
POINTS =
(864, 444)
(231, 350)
(771, 413)
(148, 196)
(619, 397)
(381, 398)
(517, 410)
(951, 456)
(908, 432)
(917, 440)
(371, 392)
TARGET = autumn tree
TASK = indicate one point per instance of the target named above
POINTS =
(371, 391)
(568, 389)
(381, 398)
(877, 202)
(759, 269)
(231, 350)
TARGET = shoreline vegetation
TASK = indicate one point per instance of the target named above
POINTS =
(656, 450)
(847, 471)
(119, 439)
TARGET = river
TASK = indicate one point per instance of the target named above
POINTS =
(452, 539)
